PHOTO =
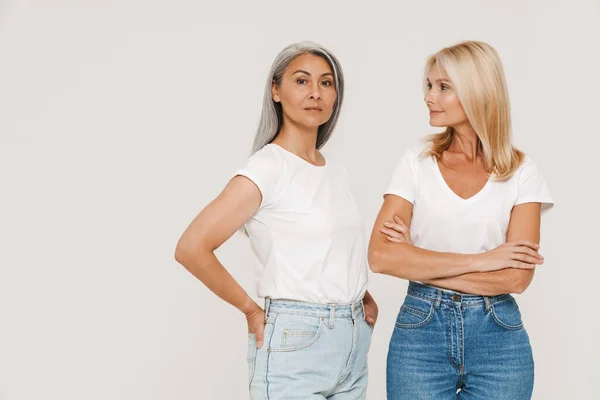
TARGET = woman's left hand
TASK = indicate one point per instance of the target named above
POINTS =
(396, 231)
(371, 309)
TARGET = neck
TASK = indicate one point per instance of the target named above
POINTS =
(465, 141)
(299, 140)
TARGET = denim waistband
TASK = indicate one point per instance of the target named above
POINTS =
(449, 296)
(314, 309)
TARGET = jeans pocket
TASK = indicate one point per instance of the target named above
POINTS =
(294, 332)
(251, 355)
(414, 313)
(506, 314)
(252, 349)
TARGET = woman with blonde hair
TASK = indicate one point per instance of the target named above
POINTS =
(461, 222)
(312, 338)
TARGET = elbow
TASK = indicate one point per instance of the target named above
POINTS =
(520, 286)
(181, 254)
(381, 263)
(375, 261)
(522, 282)
(185, 251)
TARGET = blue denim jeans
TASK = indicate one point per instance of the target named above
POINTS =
(449, 345)
(310, 351)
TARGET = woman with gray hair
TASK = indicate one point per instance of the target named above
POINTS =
(312, 338)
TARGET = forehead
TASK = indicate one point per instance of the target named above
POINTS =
(437, 73)
(315, 65)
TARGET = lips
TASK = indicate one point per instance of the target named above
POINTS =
(313, 109)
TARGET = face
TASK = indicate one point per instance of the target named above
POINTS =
(444, 106)
(307, 91)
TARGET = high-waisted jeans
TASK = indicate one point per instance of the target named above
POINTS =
(449, 345)
(310, 351)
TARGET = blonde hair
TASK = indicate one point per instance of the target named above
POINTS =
(476, 72)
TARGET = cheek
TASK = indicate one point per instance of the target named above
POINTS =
(452, 106)
(292, 99)
(330, 97)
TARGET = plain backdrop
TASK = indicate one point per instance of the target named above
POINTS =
(120, 120)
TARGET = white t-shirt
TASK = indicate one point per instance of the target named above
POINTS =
(307, 235)
(444, 222)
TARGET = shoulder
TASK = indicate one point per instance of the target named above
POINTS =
(414, 154)
(527, 169)
(269, 154)
(270, 160)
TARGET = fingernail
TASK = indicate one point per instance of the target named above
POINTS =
(386, 224)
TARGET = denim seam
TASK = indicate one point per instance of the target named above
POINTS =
(494, 299)
(452, 331)
(418, 325)
(351, 356)
(462, 339)
(418, 296)
(500, 299)
(418, 313)
(502, 324)
(324, 314)
(250, 335)
(269, 358)
(450, 340)
(324, 308)
(253, 361)
(301, 346)
(291, 333)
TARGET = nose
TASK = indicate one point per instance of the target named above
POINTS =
(428, 98)
(315, 91)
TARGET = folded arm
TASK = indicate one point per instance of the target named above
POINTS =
(524, 225)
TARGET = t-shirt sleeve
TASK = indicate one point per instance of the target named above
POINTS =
(264, 169)
(533, 187)
(404, 180)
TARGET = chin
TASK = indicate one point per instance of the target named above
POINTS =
(437, 124)
(314, 124)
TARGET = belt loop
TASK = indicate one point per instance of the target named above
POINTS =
(267, 304)
(487, 303)
(439, 299)
(331, 313)
(362, 302)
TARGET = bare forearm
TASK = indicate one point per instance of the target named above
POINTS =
(493, 283)
(207, 268)
(406, 261)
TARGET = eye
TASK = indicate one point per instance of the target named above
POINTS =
(429, 85)
(327, 83)
(444, 86)
(301, 81)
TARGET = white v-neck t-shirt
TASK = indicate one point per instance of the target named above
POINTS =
(442, 221)
(307, 235)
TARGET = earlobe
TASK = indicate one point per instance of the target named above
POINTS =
(275, 93)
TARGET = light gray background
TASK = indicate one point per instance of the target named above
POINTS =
(120, 120)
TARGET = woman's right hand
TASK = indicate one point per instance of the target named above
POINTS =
(521, 254)
(255, 318)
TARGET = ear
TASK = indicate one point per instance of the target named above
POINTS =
(275, 93)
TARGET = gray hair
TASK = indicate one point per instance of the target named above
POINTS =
(272, 115)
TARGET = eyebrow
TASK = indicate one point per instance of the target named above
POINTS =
(439, 80)
(308, 73)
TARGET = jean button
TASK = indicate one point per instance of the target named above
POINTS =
(456, 297)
